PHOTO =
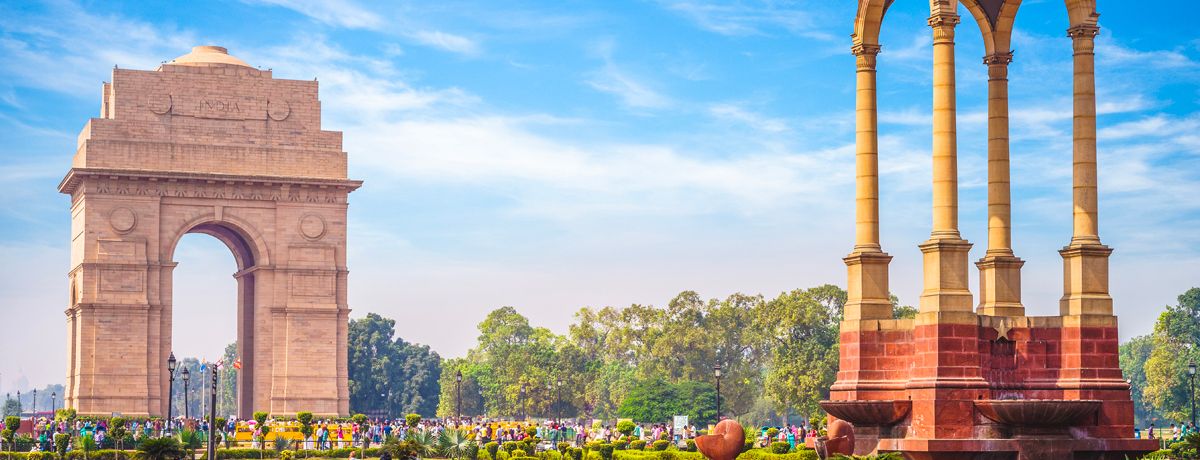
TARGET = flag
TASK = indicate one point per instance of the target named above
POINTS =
(237, 364)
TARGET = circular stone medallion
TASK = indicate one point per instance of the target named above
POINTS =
(122, 220)
(160, 104)
(312, 226)
(278, 110)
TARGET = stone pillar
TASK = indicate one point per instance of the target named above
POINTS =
(946, 252)
(867, 265)
(945, 374)
(999, 269)
(1085, 259)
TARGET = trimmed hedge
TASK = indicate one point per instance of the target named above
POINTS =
(271, 453)
(764, 454)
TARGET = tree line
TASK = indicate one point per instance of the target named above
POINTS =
(1157, 364)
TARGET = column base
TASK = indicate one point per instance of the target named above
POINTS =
(946, 275)
(1085, 280)
(1000, 285)
(867, 295)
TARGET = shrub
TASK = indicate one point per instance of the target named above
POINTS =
(606, 451)
(691, 445)
(502, 455)
(772, 433)
(286, 455)
(764, 454)
(620, 444)
(510, 446)
(491, 448)
(412, 420)
(661, 444)
(637, 444)
(159, 449)
(780, 447)
(657, 455)
(67, 414)
(245, 453)
(531, 431)
(562, 447)
(625, 427)
(61, 442)
(550, 455)
(748, 446)
(359, 418)
(575, 453)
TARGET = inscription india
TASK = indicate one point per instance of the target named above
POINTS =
(209, 107)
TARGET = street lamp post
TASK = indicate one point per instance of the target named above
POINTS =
(186, 376)
(33, 404)
(559, 385)
(1192, 378)
(53, 396)
(458, 395)
(170, 386)
(212, 416)
(523, 414)
(717, 373)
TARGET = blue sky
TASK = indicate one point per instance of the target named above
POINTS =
(553, 155)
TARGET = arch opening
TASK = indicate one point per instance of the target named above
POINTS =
(200, 316)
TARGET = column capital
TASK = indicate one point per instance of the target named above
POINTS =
(860, 49)
(943, 27)
(1083, 31)
(998, 59)
(865, 55)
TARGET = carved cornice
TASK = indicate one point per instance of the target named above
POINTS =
(214, 186)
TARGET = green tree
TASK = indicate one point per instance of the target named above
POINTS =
(800, 335)
(1173, 346)
(227, 382)
(1134, 354)
(11, 407)
(388, 374)
(657, 401)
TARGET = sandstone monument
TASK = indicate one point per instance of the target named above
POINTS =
(208, 144)
(966, 381)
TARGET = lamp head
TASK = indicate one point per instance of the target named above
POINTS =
(1192, 368)
(186, 374)
(458, 377)
(717, 370)
(171, 363)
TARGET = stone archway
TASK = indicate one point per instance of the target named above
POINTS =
(207, 144)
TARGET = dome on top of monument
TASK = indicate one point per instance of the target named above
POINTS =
(208, 55)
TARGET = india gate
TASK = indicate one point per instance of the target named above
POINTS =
(208, 144)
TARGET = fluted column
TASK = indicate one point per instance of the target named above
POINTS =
(1085, 259)
(946, 252)
(999, 269)
(867, 265)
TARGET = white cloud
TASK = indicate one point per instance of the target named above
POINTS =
(736, 113)
(749, 18)
(613, 79)
(447, 41)
(342, 13)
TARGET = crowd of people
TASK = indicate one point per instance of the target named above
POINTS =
(331, 434)
(1173, 434)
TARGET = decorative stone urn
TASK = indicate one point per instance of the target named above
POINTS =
(725, 442)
